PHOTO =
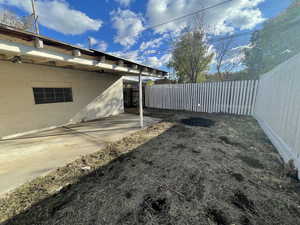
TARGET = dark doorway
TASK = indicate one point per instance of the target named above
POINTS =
(131, 96)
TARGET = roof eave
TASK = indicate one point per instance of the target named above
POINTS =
(14, 48)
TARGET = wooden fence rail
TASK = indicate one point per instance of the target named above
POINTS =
(231, 97)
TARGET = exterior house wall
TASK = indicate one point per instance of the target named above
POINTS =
(95, 95)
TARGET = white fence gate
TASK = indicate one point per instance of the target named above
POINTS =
(232, 97)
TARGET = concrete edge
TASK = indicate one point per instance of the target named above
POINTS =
(30, 132)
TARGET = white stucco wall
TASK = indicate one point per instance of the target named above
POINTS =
(95, 95)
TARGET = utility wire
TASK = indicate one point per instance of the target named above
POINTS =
(187, 15)
(214, 40)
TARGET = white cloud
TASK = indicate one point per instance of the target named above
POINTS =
(130, 55)
(157, 62)
(80, 45)
(232, 60)
(236, 58)
(228, 18)
(128, 25)
(58, 15)
(93, 41)
(124, 3)
(248, 3)
(243, 47)
(98, 44)
(246, 19)
(165, 59)
(153, 61)
(95, 44)
(149, 52)
(238, 14)
(155, 43)
(102, 46)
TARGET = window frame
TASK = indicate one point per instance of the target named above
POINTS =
(51, 95)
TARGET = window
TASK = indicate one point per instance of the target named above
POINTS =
(52, 95)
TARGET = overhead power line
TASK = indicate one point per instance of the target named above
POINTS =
(188, 15)
(212, 40)
(215, 40)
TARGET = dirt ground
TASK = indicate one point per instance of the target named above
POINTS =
(170, 173)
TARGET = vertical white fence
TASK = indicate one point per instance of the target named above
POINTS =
(278, 108)
(231, 97)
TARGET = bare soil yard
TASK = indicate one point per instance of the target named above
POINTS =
(171, 173)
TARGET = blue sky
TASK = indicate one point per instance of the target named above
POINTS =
(118, 26)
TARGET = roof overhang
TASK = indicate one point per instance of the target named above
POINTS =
(135, 79)
(36, 49)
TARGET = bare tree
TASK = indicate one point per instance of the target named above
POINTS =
(228, 57)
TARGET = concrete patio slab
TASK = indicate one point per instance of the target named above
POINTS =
(28, 157)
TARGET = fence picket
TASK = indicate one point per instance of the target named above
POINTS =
(241, 97)
(223, 101)
(206, 97)
(216, 97)
(226, 94)
(202, 97)
(210, 97)
(238, 97)
(234, 87)
(194, 98)
(254, 96)
(218, 89)
(229, 94)
(219, 102)
(247, 96)
(191, 98)
(231, 97)
(244, 98)
(213, 97)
